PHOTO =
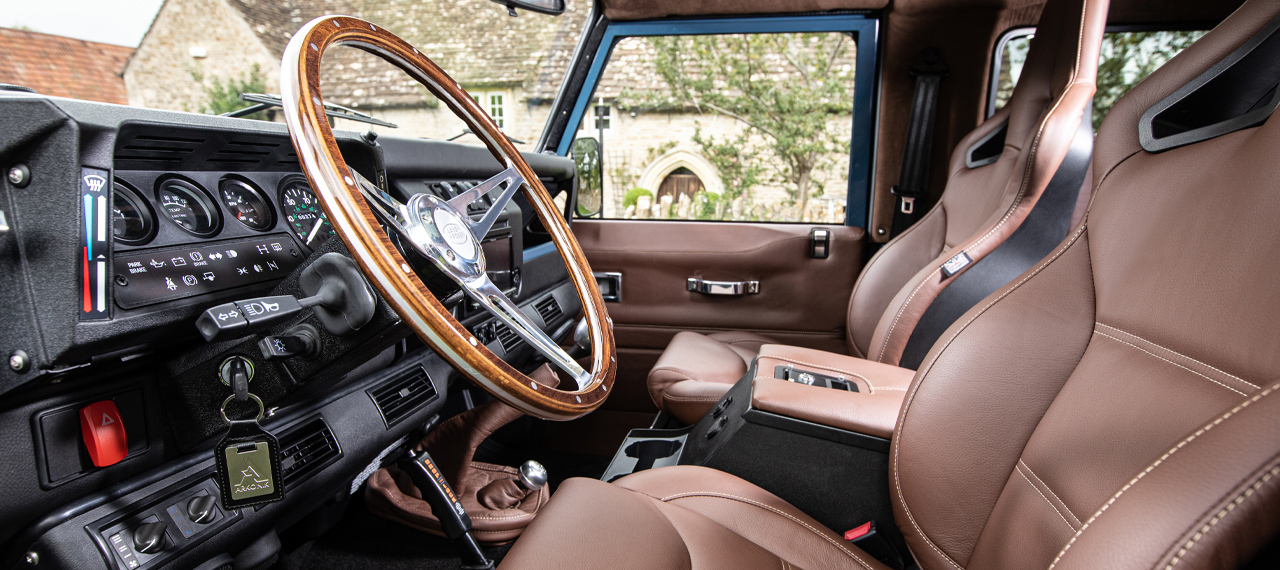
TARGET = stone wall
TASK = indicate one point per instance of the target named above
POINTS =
(160, 73)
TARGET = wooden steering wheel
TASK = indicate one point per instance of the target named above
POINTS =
(441, 230)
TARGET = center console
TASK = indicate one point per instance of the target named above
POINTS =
(811, 427)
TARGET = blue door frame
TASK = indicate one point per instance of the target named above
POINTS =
(865, 30)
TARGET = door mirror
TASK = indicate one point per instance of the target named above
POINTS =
(586, 156)
(552, 7)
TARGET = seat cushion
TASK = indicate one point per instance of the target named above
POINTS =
(682, 517)
(696, 370)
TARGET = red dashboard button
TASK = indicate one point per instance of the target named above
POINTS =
(103, 432)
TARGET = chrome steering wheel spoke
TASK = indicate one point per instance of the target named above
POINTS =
(385, 206)
(496, 302)
(509, 180)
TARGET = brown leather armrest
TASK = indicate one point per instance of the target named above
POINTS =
(872, 410)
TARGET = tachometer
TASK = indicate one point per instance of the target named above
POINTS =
(246, 204)
(303, 212)
(189, 207)
(132, 221)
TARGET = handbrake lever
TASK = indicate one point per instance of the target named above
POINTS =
(445, 505)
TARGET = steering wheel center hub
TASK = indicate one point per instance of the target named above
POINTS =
(455, 233)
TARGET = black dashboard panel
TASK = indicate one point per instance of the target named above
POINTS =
(102, 306)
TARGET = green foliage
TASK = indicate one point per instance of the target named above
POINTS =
(633, 195)
(1128, 58)
(224, 96)
(784, 88)
(586, 158)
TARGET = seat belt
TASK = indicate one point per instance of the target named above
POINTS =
(913, 182)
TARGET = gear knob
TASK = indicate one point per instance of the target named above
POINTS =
(533, 475)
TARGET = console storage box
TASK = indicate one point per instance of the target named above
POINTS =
(824, 450)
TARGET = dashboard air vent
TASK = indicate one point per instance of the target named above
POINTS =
(506, 337)
(307, 448)
(549, 308)
(157, 149)
(403, 395)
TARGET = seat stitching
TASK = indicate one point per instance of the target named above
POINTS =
(1046, 499)
(1100, 333)
(1050, 490)
(770, 508)
(690, 398)
(1202, 363)
(1156, 464)
(1221, 515)
(906, 407)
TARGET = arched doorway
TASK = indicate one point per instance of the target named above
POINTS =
(680, 182)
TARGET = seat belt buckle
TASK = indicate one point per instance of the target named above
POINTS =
(908, 202)
(866, 537)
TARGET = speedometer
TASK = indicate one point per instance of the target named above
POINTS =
(302, 210)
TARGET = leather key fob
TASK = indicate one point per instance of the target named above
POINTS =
(248, 466)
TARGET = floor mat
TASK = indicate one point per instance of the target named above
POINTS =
(363, 541)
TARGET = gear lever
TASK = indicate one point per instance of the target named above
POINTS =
(533, 476)
(446, 507)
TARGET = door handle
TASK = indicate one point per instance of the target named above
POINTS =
(723, 287)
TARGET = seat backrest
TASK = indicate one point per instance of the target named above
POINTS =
(1117, 406)
(999, 174)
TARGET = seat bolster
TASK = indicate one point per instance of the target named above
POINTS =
(752, 513)
(597, 525)
(689, 401)
(693, 358)
(746, 344)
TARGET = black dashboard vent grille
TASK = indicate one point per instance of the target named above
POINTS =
(549, 308)
(243, 153)
(403, 395)
(506, 337)
(157, 149)
(307, 448)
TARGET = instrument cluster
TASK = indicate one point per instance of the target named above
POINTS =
(144, 204)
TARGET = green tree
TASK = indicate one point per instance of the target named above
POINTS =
(224, 96)
(784, 88)
(1129, 57)
(739, 171)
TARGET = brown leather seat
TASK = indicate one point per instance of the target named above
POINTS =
(1117, 406)
(898, 306)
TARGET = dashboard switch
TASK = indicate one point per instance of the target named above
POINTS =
(103, 433)
(149, 538)
(302, 340)
(201, 510)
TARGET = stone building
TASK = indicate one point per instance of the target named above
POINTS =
(512, 66)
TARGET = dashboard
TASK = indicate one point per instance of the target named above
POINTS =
(129, 224)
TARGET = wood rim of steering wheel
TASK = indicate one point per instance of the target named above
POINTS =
(358, 227)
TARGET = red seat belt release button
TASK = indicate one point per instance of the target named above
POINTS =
(860, 531)
(103, 433)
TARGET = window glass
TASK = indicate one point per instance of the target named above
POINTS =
(752, 127)
(1125, 60)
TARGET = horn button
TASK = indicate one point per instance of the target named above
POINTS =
(445, 236)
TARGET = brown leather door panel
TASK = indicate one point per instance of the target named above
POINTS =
(802, 300)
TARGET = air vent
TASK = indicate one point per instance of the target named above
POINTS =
(403, 395)
(307, 448)
(158, 149)
(549, 308)
(506, 337)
